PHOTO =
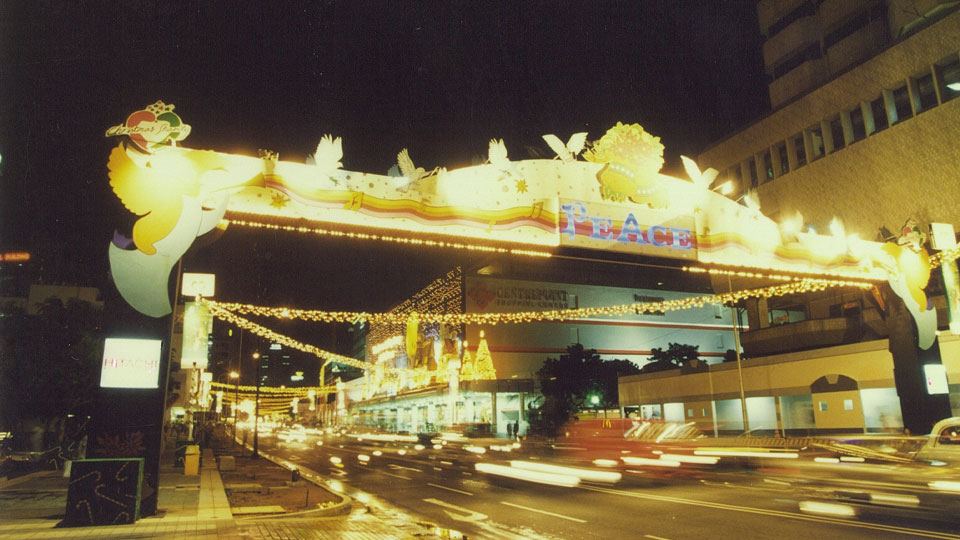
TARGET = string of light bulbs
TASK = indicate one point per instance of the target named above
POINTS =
(221, 309)
(293, 390)
(219, 312)
(386, 238)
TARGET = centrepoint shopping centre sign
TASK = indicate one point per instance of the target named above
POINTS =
(609, 197)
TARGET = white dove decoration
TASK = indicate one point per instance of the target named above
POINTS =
(328, 155)
(407, 168)
(497, 155)
(751, 201)
(700, 179)
(569, 151)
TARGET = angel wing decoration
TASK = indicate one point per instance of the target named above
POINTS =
(569, 151)
(407, 168)
(497, 155)
(155, 189)
(328, 155)
(701, 179)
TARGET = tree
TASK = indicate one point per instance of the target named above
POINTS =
(677, 355)
(49, 363)
(568, 383)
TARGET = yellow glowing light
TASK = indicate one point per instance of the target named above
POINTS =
(387, 238)
(226, 310)
(590, 475)
(530, 476)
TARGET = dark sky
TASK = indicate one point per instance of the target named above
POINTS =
(440, 78)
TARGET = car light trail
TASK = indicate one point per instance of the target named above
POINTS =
(589, 475)
(530, 476)
(828, 509)
(747, 453)
(632, 460)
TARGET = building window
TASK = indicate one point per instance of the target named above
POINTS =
(926, 93)
(810, 52)
(877, 12)
(816, 142)
(948, 77)
(781, 150)
(848, 404)
(752, 168)
(879, 110)
(766, 165)
(823, 405)
(705, 412)
(901, 101)
(859, 128)
(805, 9)
(690, 413)
(836, 131)
(797, 142)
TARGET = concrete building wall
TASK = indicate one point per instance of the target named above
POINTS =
(786, 379)
(901, 171)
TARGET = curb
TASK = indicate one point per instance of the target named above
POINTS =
(337, 509)
(8, 482)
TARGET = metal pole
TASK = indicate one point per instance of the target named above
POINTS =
(236, 389)
(166, 376)
(736, 343)
(256, 415)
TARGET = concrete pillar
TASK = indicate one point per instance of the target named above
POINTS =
(891, 107)
(847, 124)
(827, 135)
(868, 124)
(493, 412)
(920, 409)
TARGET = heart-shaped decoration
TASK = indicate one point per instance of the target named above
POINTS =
(133, 121)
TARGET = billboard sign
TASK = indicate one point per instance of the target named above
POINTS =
(197, 325)
(131, 363)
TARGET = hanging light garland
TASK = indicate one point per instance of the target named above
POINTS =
(223, 314)
(225, 310)
(292, 391)
(386, 238)
(946, 255)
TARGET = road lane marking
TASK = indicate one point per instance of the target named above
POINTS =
(396, 475)
(471, 515)
(401, 467)
(655, 537)
(543, 512)
(776, 513)
(450, 489)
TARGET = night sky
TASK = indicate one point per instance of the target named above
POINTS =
(439, 78)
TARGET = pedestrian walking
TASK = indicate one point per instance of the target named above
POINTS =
(509, 430)
(516, 429)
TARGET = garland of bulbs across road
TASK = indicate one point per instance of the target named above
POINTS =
(228, 312)
(232, 313)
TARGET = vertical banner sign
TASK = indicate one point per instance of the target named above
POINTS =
(197, 325)
(943, 237)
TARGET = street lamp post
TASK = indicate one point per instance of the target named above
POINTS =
(256, 415)
(236, 400)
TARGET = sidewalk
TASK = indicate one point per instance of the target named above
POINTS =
(32, 506)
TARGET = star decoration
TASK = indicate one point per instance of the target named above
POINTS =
(521, 186)
(279, 201)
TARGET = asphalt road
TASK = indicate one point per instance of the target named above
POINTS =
(442, 486)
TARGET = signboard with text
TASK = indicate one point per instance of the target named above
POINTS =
(130, 363)
(633, 229)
